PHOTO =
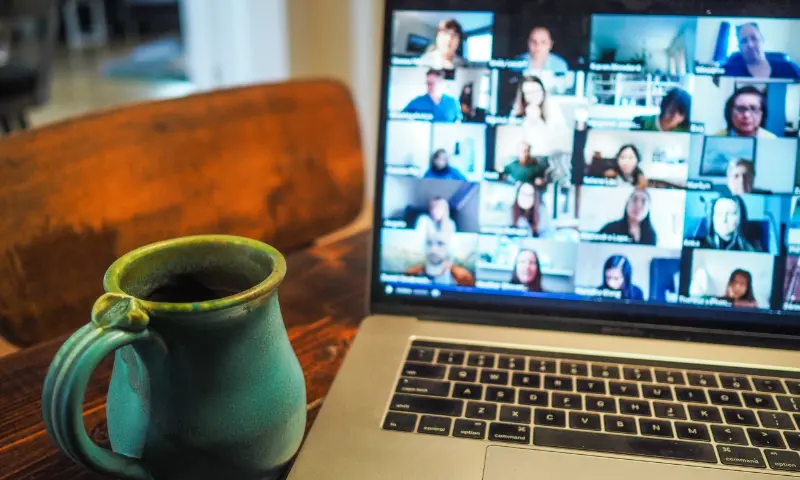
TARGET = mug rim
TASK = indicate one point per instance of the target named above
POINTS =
(111, 280)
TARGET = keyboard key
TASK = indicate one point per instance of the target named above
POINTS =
(658, 392)
(511, 363)
(431, 405)
(434, 425)
(705, 414)
(574, 368)
(655, 428)
(421, 386)
(483, 360)
(463, 374)
(768, 385)
(533, 397)
(671, 377)
(481, 411)
(729, 435)
(761, 401)
(558, 383)
(734, 382)
(783, 460)
(634, 407)
(515, 414)
(504, 432)
(793, 386)
(498, 394)
(527, 380)
(468, 391)
(765, 438)
(793, 440)
(620, 424)
(584, 421)
(567, 401)
(474, 429)
(741, 456)
(669, 410)
(450, 358)
(722, 397)
(550, 418)
(601, 404)
(637, 374)
(605, 371)
(789, 404)
(623, 389)
(624, 444)
(737, 416)
(541, 366)
(691, 395)
(401, 422)
(591, 386)
(702, 380)
(419, 354)
(494, 377)
(692, 431)
(423, 370)
(778, 420)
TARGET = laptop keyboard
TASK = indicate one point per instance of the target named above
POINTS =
(714, 415)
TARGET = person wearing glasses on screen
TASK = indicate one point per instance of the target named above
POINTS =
(739, 291)
(617, 277)
(676, 110)
(439, 267)
(726, 222)
(527, 271)
(436, 102)
(443, 55)
(753, 60)
(635, 222)
(540, 54)
(439, 167)
(746, 114)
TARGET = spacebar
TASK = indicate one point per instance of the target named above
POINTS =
(624, 444)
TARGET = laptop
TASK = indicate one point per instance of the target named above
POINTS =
(586, 243)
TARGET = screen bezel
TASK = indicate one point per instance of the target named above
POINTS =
(685, 322)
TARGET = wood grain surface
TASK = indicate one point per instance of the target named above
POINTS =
(322, 299)
(280, 163)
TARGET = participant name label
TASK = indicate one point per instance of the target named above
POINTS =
(513, 64)
(509, 231)
(392, 278)
(600, 181)
(708, 70)
(616, 67)
(598, 292)
(705, 302)
(612, 124)
(425, 117)
(605, 237)
(699, 185)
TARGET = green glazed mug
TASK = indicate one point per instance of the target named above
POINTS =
(205, 383)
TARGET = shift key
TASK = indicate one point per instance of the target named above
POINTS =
(431, 405)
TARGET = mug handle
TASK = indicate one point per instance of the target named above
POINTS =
(117, 320)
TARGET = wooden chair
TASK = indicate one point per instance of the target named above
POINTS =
(281, 163)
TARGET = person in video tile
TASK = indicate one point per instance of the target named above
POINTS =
(626, 167)
(443, 107)
(527, 271)
(525, 212)
(740, 290)
(741, 175)
(635, 222)
(444, 54)
(439, 266)
(437, 219)
(617, 274)
(727, 216)
(526, 168)
(540, 54)
(441, 169)
(753, 60)
(746, 114)
(676, 109)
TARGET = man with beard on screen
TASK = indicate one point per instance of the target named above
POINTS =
(439, 266)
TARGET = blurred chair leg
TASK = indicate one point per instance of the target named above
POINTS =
(22, 119)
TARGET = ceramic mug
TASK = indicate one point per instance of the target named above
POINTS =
(205, 383)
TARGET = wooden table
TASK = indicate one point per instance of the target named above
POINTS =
(323, 301)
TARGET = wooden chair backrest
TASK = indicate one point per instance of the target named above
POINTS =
(280, 163)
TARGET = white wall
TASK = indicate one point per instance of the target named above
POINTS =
(779, 35)
(507, 145)
(408, 143)
(709, 102)
(711, 270)
(407, 25)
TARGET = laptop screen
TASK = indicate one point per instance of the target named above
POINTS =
(543, 157)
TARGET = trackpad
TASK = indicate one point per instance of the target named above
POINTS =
(503, 463)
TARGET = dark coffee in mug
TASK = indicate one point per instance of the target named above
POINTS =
(199, 287)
